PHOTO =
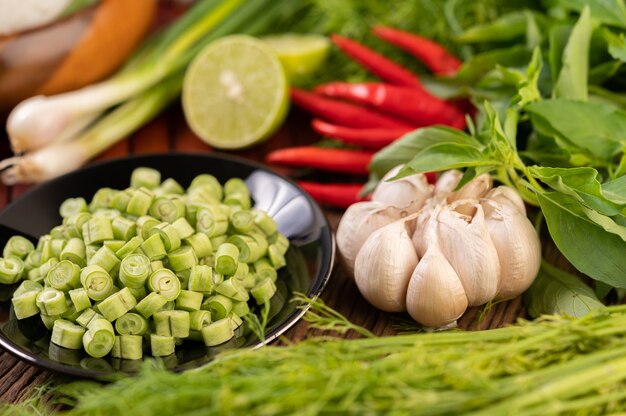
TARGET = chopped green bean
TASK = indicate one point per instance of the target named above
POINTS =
(96, 230)
(99, 338)
(145, 223)
(47, 266)
(169, 235)
(72, 206)
(166, 283)
(263, 269)
(217, 332)
(87, 316)
(129, 247)
(250, 250)
(74, 224)
(201, 279)
(64, 276)
(80, 298)
(138, 292)
(18, 246)
(117, 304)
(74, 251)
(276, 257)
(219, 306)
(156, 265)
(131, 324)
(33, 260)
(146, 177)
(182, 258)
(161, 346)
(263, 291)
(189, 300)
(102, 199)
(51, 301)
(25, 304)
(241, 308)
(123, 229)
(105, 258)
(183, 228)
(200, 243)
(127, 347)
(242, 221)
(167, 209)
(67, 334)
(97, 282)
(140, 202)
(56, 246)
(150, 304)
(134, 270)
(114, 245)
(27, 286)
(199, 319)
(154, 248)
(233, 289)
(174, 323)
(211, 220)
(11, 270)
(121, 199)
(265, 223)
(170, 186)
(226, 259)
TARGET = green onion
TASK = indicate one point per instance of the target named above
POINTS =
(263, 269)
(249, 248)
(74, 224)
(201, 279)
(114, 245)
(67, 334)
(144, 224)
(183, 228)
(18, 246)
(174, 323)
(146, 177)
(48, 320)
(27, 286)
(131, 324)
(170, 186)
(121, 199)
(140, 202)
(102, 199)
(219, 306)
(264, 222)
(32, 260)
(233, 289)
(263, 291)
(242, 221)
(99, 338)
(199, 319)
(241, 308)
(211, 220)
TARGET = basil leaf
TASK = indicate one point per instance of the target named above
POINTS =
(507, 27)
(557, 40)
(403, 149)
(615, 190)
(581, 183)
(587, 246)
(478, 65)
(572, 80)
(601, 73)
(445, 156)
(555, 291)
(610, 12)
(617, 45)
(577, 123)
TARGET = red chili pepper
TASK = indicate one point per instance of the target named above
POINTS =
(371, 138)
(382, 67)
(433, 55)
(416, 106)
(335, 160)
(340, 195)
(343, 113)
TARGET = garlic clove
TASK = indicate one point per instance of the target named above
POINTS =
(447, 183)
(506, 196)
(411, 190)
(357, 223)
(474, 189)
(384, 265)
(466, 243)
(435, 296)
(518, 247)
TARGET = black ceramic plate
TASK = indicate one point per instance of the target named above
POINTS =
(309, 260)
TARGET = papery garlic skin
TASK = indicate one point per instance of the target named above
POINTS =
(474, 189)
(435, 296)
(518, 247)
(384, 265)
(466, 243)
(358, 222)
(410, 190)
(506, 196)
(447, 183)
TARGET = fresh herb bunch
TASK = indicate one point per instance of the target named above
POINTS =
(551, 124)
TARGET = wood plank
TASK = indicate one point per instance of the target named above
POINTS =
(151, 138)
(119, 149)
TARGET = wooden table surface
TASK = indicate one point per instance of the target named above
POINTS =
(169, 132)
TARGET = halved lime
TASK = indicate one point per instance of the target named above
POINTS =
(300, 54)
(235, 92)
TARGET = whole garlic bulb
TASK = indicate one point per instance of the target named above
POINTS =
(517, 245)
(385, 263)
(507, 197)
(466, 243)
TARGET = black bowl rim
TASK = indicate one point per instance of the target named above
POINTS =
(314, 291)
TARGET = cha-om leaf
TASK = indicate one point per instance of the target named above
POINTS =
(592, 250)
(610, 12)
(582, 183)
(405, 148)
(572, 80)
(555, 291)
(599, 129)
